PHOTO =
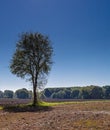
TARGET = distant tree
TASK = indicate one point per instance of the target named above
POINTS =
(75, 94)
(61, 94)
(22, 93)
(86, 92)
(8, 94)
(1, 94)
(54, 95)
(96, 92)
(32, 60)
(106, 92)
(67, 93)
(48, 92)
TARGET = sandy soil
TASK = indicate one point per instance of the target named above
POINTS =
(76, 116)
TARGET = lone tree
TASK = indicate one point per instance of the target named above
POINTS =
(32, 60)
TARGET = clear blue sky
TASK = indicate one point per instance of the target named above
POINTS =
(79, 30)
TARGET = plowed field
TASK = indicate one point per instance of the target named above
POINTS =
(90, 115)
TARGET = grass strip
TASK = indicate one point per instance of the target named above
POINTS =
(1, 108)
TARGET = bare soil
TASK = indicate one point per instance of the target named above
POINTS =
(76, 116)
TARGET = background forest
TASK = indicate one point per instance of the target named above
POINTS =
(88, 92)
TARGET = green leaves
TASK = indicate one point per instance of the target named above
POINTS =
(33, 55)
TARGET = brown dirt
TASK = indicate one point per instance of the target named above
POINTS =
(76, 116)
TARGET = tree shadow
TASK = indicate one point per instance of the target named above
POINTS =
(26, 108)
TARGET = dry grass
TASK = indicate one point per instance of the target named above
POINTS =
(93, 115)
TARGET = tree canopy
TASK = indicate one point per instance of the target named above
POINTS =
(22, 93)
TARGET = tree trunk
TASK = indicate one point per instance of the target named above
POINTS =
(35, 100)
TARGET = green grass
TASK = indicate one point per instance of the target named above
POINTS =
(67, 103)
(1, 108)
(48, 103)
(57, 103)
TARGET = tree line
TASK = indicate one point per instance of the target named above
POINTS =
(88, 92)
(20, 93)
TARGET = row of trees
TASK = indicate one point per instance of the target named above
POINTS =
(20, 93)
(88, 92)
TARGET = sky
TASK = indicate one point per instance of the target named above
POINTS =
(78, 29)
